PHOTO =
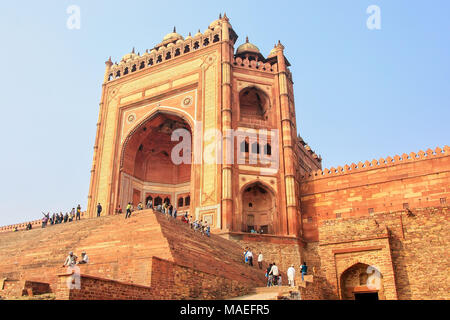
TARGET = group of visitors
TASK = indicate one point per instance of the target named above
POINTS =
(274, 278)
(248, 257)
(71, 259)
(272, 272)
(58, 218)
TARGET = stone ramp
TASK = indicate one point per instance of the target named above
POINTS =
(272, 293)
(121, 249)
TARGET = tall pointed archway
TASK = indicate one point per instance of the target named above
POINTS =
(147, 168)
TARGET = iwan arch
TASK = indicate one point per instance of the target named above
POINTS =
(339, 220)
(181, 83)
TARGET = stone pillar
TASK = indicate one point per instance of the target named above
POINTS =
(290, 226)
(91, 211)
(227, 146)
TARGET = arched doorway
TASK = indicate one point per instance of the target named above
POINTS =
(258, 207)
(148, 164)
(362, 282)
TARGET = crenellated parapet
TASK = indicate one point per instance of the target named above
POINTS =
(381, 163)
(168, 49)
(306, 149)
(255, 65)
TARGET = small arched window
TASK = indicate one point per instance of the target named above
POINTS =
(177, 52)
(168, 55)
(158, 201)
(216, 38)
(187, 201)
(255, 148)
(167, 200)
(205, 42)
(134, 68)
(180, 202)
(125, 71)
(142, 66)
(150, 62)
(196, 45)
(267, 149)
(244, 146)
(186, 49)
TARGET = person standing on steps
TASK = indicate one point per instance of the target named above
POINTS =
(78, 217)
(275, 273)
(99, 209)
(250, 257)
(260, 260)
(291, 275)
(269, 276)
(149, 204)
(129, 208)
(304, 270)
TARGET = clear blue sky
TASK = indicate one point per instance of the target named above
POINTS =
(360, 94)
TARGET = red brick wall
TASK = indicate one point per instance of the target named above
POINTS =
(409, 250)
(17, 288)
(381, 186)
(95, 288)
(171, 281)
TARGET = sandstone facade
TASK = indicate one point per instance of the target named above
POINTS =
(374, 229)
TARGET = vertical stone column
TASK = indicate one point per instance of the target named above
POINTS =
(227, 143)
(92, 186)
(290, 226)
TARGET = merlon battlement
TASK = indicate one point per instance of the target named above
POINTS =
(375, 164)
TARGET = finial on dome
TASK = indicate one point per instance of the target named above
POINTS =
(246, 39)
(174, 29)
(132, 51)
(190, 34)
(220, 16)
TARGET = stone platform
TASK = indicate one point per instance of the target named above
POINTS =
(147, 250)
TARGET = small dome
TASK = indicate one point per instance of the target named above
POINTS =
(129, 56)
(189, 37)
(273, 52)
(173, 36)
(247, 47)
(214, 24)
(198, 34)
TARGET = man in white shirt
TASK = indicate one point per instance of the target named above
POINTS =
(291, 275)
(70, 260)
(250, 257)
(275, 273)
(260, 260)
(84, 258)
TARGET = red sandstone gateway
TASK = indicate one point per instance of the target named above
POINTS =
(373, 230)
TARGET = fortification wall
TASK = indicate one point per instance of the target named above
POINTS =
(409, 249)
(384, 185)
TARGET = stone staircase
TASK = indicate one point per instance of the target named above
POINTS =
(121, 249)
(272, 293)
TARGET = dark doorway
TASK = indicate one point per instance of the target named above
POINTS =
(367, 296)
